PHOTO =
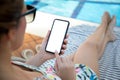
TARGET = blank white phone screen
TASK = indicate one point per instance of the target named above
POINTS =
(57, 36)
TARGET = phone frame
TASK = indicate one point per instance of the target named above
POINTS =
(64, 35)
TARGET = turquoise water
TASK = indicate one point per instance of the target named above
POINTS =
(93, 12)
(114, 1)
(88, 10)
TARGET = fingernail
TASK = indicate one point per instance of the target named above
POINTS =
(56, 53)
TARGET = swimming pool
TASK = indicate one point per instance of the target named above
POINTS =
(88, 10)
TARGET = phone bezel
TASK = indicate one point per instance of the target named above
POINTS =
(64, 35)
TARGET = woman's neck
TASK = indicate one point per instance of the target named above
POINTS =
(5, 60)
(5, 55)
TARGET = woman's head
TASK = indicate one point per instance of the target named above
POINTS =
(12, 27)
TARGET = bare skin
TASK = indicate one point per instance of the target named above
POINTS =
(88, 53)
(12, 41)
(92, 49)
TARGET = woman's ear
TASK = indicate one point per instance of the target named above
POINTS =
(12, 34)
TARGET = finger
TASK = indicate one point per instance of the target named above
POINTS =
(67, 36)
(56, 54)
(65, 62)
(69, 62)
(65, 41)
(58, 60)
(64, 47)
(56, 66)
(62, 52)
(63, 59)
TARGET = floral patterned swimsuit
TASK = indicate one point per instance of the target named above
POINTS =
(82, 71)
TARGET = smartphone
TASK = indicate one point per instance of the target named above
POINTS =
(57, 35)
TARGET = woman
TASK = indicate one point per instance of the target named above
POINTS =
(72, 67)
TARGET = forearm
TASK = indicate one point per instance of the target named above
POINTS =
(37, 60)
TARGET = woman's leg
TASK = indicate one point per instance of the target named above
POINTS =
(105, 21)
(110, 36)
(88, 52)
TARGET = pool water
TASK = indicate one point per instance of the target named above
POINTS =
(88, 10)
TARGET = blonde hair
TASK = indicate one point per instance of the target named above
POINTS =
(10, 11)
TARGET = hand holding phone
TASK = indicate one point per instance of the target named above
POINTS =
(57, 35)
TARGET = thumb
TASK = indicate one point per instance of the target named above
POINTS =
(56, 54)
(44, 42)
(46, 38)
(58, 59)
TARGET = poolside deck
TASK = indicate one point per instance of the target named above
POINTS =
(43, 23)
